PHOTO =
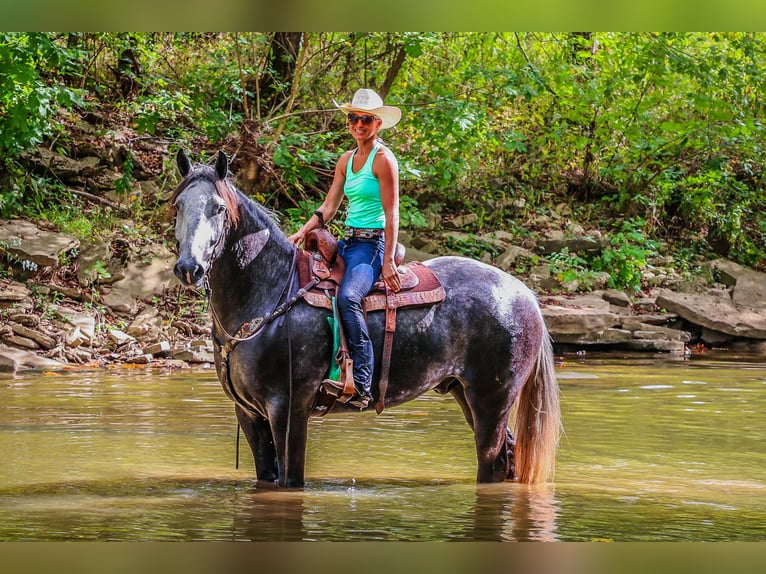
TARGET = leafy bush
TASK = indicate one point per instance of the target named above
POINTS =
(625, 258)
(30, 92)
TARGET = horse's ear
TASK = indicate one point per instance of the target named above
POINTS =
(222, 165)
(184, 165)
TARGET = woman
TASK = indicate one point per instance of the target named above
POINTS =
(369, 177)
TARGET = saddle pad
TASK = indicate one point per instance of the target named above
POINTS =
(428, 291)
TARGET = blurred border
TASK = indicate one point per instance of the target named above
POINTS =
(373, 558)
(391, 15)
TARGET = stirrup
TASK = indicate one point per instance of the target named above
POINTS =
(333, 388)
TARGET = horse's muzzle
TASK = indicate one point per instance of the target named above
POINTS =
(189, 272)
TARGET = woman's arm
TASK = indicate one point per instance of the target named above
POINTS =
(386, 169)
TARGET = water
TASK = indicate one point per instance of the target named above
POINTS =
(655, 449)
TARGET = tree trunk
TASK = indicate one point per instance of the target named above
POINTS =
(277, 79)
(393, 71)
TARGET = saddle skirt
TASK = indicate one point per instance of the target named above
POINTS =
(420, 286)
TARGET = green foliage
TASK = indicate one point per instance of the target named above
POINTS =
(297, 216)
(30, 92)
(567, 267)
(409, 214)
(299, 161)
(626, 256)
(124, 183)
(472, 247)
(662, 128)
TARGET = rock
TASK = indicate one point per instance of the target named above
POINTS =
(25, 319)
(750, 291)
(85, 322)
(716, 313)
(12, 360)
(715, 338)
(147, 326)
(609, 336)
(642, 330)
(617, 297)
(507, 258)
(749, 346)
(22, 342)
(573, 321)
(45, 161)
(194, 356)
(656, 345)
(12, 292)
(27, 242)
(201, 344)
(119, 337)
(93, 259)
(120, 301)
(157, 348)
(150, 276)
(464, 220)
(74, 338)
(41, 339)
(148, 189)
(78, 355)
(728, 272)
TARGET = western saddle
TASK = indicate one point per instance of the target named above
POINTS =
(319, 262)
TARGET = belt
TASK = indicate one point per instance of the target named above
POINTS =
(362, 232)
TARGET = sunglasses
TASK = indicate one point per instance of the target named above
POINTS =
(367, 119)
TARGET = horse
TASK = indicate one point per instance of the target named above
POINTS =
(486, 343)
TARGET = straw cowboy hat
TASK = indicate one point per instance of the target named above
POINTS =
(367, 101)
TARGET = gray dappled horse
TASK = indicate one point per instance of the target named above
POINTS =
(486, 343)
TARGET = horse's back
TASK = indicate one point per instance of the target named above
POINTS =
(469, 280)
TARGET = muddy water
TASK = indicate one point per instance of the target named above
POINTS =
(655, 449)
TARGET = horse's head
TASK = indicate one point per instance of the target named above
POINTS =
(205, 207)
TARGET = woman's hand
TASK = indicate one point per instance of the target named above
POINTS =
(297, 238)
(391, 275)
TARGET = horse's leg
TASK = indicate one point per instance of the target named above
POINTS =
(457, 391)
(258, 433)
(290, 433)
(494, 442)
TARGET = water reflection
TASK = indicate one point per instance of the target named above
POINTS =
(407, 511)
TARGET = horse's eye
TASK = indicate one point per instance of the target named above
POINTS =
(220, 209)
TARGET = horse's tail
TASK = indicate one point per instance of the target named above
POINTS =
(538, 420)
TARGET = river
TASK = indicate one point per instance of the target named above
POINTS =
(655, 449)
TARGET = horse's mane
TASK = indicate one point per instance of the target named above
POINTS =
(225, 189)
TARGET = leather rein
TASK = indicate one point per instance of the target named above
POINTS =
(252, 328)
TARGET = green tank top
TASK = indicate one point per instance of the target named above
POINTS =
(365, 209)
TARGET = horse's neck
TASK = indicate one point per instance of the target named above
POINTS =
(251, 275)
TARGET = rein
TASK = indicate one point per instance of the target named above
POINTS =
(252, 328)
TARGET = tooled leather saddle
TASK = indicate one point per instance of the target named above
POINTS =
(320, 263)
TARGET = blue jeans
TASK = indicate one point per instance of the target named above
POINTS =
(364, 261)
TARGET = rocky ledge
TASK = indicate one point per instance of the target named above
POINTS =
(127, 309)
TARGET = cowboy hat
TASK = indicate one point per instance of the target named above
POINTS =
(367, 101)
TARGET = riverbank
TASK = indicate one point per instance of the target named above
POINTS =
(131, 310)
